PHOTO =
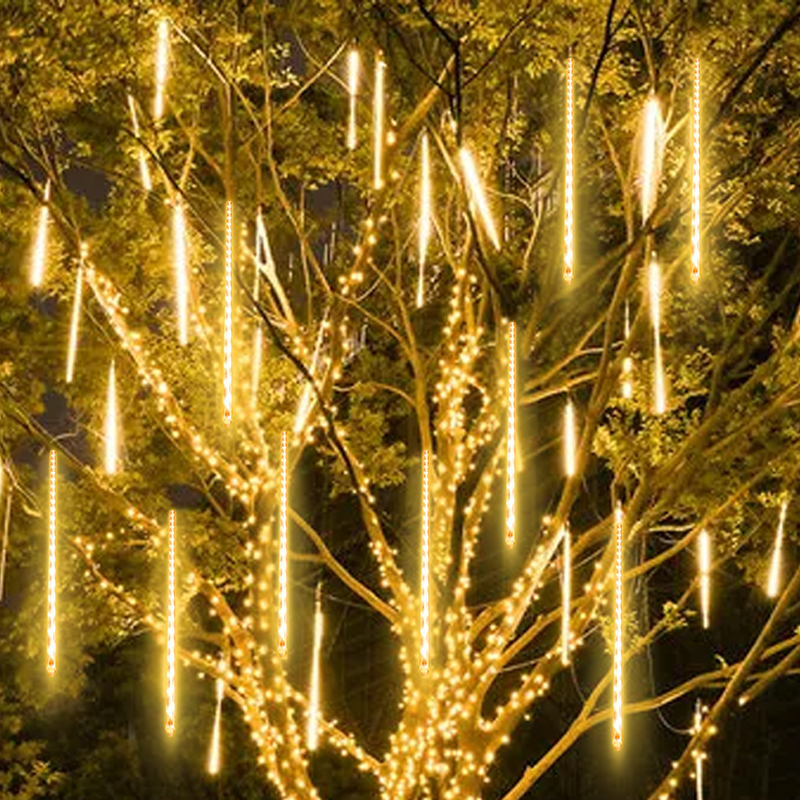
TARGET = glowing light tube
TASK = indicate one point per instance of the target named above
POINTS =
(569, 253)
(773, 585)
(74, 323)
(144, 169)
(659, 391)
(162, 62)
(651, 156)
(40, 249)
(170, 724)
(627, 363)
(216, 733)
(283, 576)
(181, 272)
(569, 439)
(618, 623)
(511, 441)
(698, 755)
(424, 216)
(696, 175)
(111, 438)
(51, 573)
(704, 563)
(566, 594)
(312, 728)
(378, 121)
(352, 87)
(424, 627)
(227, 380)
(477, 195)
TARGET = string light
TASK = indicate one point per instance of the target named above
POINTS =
(75, 321)
(162, 61)
(704, 559)
(170, 724)
(660, 400)
(51, 573)
(144, 169)
(283, 576)
(216, 734)
(227, 381)
(477, 196)
(352, 86)
(773, 585)
(696, 176)
(181, 272)
(627, 362)
(312, 728)
(569, 439)
(111, 439)
(569, 254)
(424, 632)
(424, 216)
(378, 121)
(40, 249)
(651, 156)
(511, 442)
(566, 594)
(618, 623)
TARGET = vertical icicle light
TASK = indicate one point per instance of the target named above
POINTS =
(111, 439)
(627, 363)
(170, 723)
(181, 272)
(216, 733)
(424, 216)
(283, 576)
(144, 169)
(696, 175)
(75, 321)
(511, 442)
(312, 728)
(659, 391)
(51, 573)
(569, 439)
(618, 623)
(424, 627)
(378, 120)
(40, 248)
(773, 585)
(352, 87)
(566, 593)
(704, 564)
(477, 195)
(227, 380)
(162, 61)
(698, 754)
(651, 156)
(569, 253)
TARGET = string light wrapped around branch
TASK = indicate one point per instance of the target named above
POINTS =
(51, 573)
(283, 576)
(424, 627)
(569, 190)
(170, 707)
(511, 441)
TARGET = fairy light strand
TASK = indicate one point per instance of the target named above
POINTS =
(618, 623)
(144, 168)
(312, 727)
(696, 175)
(773, 585)
(181, 272)
(424, 216)
(477, 195)
(111, 424)
(511, 440)
(353, 64)
(569, 253)
(170, 707)
(162, 63)
(75, 322)
(424, 628)
(51, 573)
(704, 563)
(378, 121)
(659, 391)
(566, 593)
(283, 577)
(39, 260)
(227, 380)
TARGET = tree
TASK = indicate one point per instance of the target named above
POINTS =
(256, 110)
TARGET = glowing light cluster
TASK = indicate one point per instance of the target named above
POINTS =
(227, 379)
(569, 439)
(618, 624)
(216, 733)
(353, 63)
(704, 563)
(566, 593)
(181, 272)
(424, 216)
(774, 582)
(312, 727)
(424, 627)
(659, 390)
(111, 424)
(144, 169)
(283, 572)
(170, 722)
(162, 63)
(696, 175)
(51, 573)
(511, 442)
(477, 195)
(378, 121)
(75, 322)
(569, 253)
(651, 156)
(40, 248)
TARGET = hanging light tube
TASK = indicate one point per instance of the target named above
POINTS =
(569, 253)
(704, 559)
(227, 381)
(477, 195)
(773, 585)
(618, 624)
(170, 708)
(162, 63)
(352, 87)
(424, 628)
(144, 169)
(181, 272)
(111, 425)
(566, 593)
(312, 728)
(569, 439)
(40, 249)
(75, 322)
(696, 175)
(660, 396)
(424, 216)
(511, 441)
(283, 576)
(378, 121)
(51, 573)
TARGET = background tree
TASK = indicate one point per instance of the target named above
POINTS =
(256, 111)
